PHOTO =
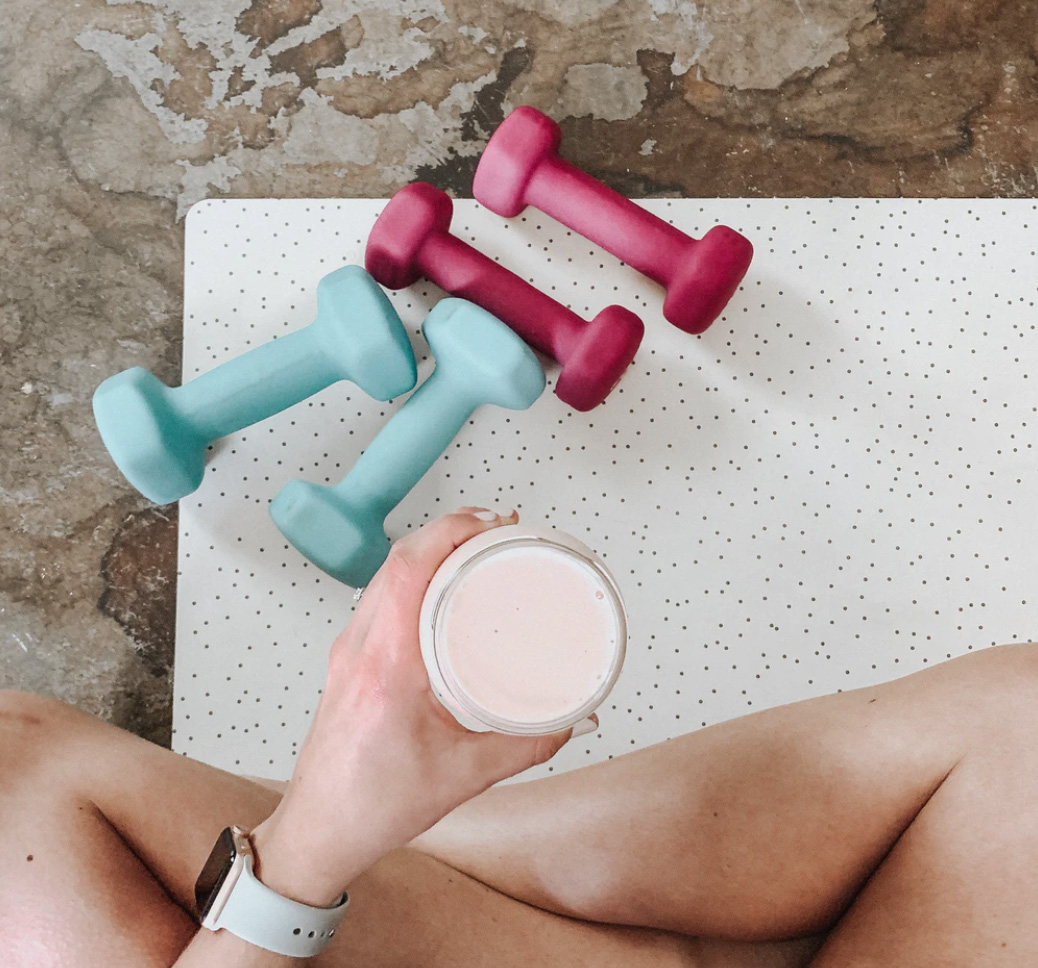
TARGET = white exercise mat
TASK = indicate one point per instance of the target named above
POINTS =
(833, 486)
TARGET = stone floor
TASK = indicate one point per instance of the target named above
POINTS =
(115, 117)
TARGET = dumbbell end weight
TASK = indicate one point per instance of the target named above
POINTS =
(484, 359)
(362, 334)
(600, 356)
(707, 278)
(348, 543)
(511, 158)
(152, 447)
(398, 236)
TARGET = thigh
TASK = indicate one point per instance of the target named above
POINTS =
(71, 893)
(103, 835)
(762, 828)
(960, 887)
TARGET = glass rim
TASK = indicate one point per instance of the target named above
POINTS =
(474, 709)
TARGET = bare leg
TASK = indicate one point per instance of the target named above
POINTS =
(104, 834)
(959, 888)
(770, 826)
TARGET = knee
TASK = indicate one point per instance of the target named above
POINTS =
(1005, 669)
(35, 732)
(998, 688)
(27, 709)
(29, 723)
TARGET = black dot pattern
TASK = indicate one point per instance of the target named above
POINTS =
(833, 486)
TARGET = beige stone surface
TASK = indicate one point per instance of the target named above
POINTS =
(115, 117)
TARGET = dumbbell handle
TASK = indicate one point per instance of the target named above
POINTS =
(408, 445)
(251, 387)
(462, 270)
(576, 199)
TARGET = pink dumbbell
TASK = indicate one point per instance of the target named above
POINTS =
(521, 167)
(412, 238)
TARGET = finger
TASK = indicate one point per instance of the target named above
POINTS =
(414, 559)
(501, 756)
(393, 599)
(446, 533)
(585, 726)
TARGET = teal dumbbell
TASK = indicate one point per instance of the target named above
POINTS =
(158, 435)
(479, 360)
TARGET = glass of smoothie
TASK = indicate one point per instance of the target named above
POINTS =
(523, 630)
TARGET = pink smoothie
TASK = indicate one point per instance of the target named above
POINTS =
(530, 633)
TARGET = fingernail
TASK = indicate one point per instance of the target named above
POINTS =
(493, 514)
(584, 727)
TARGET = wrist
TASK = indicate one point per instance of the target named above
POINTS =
(290, 861)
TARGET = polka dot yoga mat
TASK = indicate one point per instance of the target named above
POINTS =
(833, 486)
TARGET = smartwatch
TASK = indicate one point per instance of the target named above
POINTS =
(229, 896)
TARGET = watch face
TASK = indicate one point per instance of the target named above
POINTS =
(216, 869)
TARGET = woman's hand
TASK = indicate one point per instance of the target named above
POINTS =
(383, 760)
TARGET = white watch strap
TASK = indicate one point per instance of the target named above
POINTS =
(268, 920)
